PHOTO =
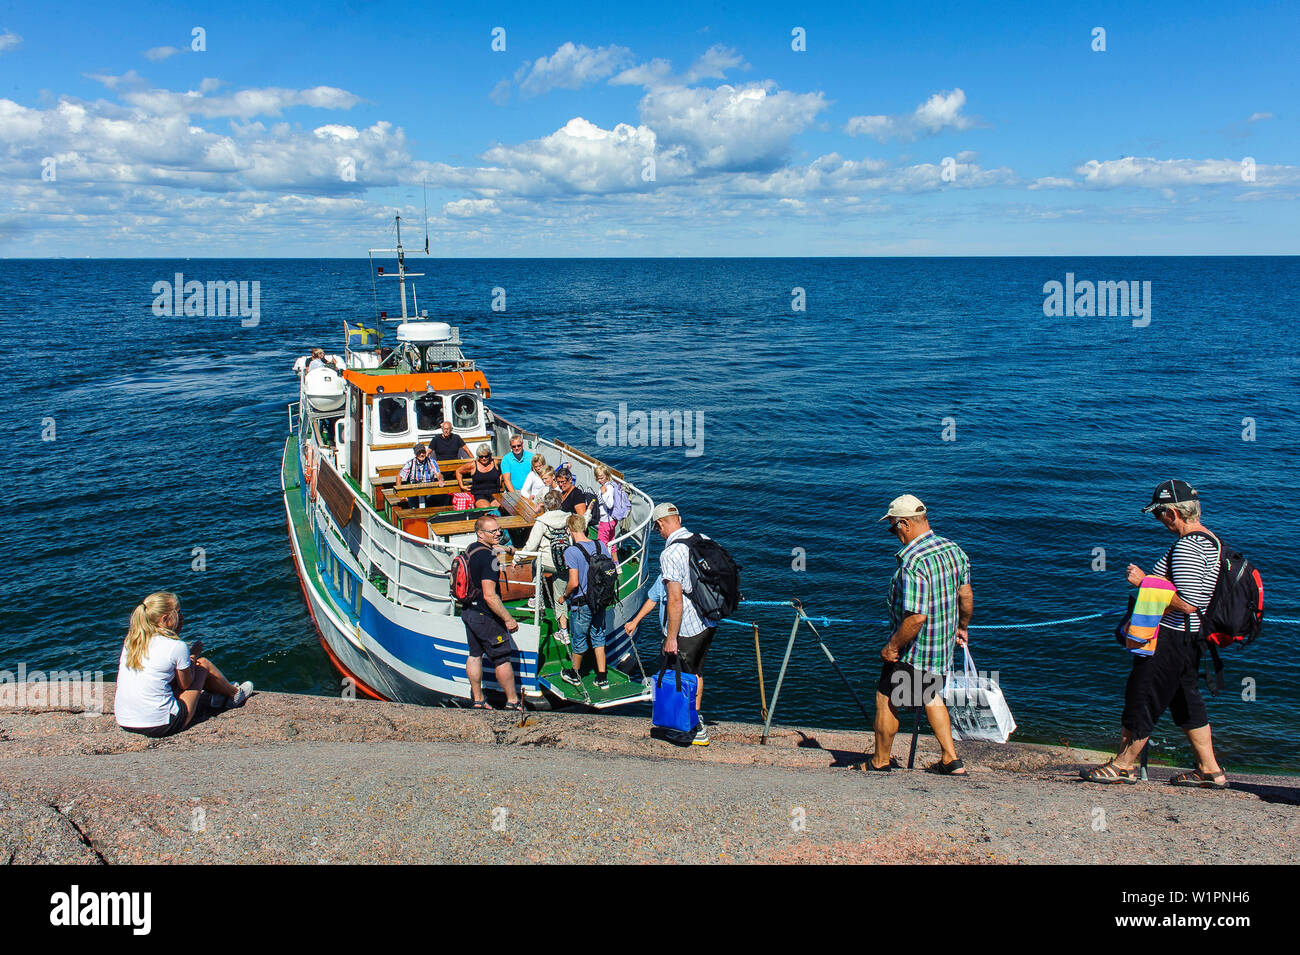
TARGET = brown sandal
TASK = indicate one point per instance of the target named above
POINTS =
(1109, 774)
(1199, 780)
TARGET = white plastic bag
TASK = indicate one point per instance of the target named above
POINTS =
(976, 706)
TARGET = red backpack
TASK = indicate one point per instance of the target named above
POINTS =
(464, 587)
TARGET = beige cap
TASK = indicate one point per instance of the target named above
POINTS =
(905, 505)
(664, 510)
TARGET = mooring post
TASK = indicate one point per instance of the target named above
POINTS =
(767, 724)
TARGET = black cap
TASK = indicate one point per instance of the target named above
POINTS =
(1170, 492)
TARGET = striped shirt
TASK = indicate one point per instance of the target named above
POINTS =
(417, 471)
(930, 570)
(674, 564)
(1195, 572)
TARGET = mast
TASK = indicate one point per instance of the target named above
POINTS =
(402, 275)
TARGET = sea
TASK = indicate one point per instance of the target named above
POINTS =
(142, 452)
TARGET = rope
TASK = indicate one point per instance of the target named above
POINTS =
(827, 621)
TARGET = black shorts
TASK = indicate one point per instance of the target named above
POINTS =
(487, 636)
(693, 650)
(1170, 680)
(906, 686)
(166, 729)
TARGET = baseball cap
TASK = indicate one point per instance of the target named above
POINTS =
(1171, 492)
(664, 510)
(905, 505)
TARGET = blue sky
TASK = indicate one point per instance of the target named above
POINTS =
(901, 129)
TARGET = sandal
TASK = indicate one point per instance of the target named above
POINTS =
(1200, 780)
(1109, 774)
(517, 706)
(481, 705)
(947, 769)
(870, 766)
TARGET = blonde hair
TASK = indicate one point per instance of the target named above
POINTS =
(146, 621)
(602, 473)
(546, 472)
(539, 463)
(576, 524)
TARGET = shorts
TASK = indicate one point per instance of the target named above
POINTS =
(907, 687)
(586, 628)
(487, 637)
(1169, 679)
(166, 729)
(692, 650)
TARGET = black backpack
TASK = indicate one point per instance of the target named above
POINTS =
(1235, 613)
(602, 580)
(715, 578)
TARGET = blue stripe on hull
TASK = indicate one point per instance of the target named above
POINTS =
(419, 651)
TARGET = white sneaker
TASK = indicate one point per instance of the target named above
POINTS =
(701, 735)
(562, 636)
(532, 603)
(243, 692)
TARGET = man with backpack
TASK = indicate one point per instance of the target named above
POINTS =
(1169, 679)
(593, 587)
(689, 633)
(488, 624)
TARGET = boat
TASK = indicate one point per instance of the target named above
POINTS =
(376, 569)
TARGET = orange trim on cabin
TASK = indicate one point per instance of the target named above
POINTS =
(401, 384)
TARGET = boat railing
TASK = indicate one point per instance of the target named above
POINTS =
(295, 411)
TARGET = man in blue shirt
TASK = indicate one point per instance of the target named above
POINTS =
(516, 465)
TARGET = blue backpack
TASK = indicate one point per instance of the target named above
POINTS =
(674, 718)
(622, 506)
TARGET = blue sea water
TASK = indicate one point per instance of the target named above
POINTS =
(168, 434)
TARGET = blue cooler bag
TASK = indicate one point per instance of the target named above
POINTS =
(674, 718)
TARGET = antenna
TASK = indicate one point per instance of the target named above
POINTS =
(426, 217)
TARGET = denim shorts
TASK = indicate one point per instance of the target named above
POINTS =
(585, 628)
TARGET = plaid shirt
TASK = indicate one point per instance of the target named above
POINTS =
(417, 471)
(930, 569)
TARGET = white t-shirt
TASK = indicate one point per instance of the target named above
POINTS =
(144, 697)
(534, 487)
(607, 503)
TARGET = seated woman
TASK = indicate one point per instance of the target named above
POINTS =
(532, 484)
(158, 680)
(539, 484)
(484, 476)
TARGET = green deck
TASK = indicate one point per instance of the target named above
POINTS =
(553, 656)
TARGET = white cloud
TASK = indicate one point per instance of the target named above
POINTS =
(245, 104)
(161, 52)
(464, 208)
(655, 73)
(1257, 117)
(580, 157)
(1164, 174)
(941, 111)
(714, 64)
(500, 93)
(10, 41)
(571, 67)
(730, 128)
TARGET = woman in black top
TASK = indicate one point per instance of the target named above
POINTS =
(572, 500)
(484, 475)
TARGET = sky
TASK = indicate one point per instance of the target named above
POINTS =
(649, 129)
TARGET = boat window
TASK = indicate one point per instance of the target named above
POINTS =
(428, 412)
(325, 430)
(392, 416)
(464, 411)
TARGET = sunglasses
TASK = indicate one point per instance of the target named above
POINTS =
(895, 525)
